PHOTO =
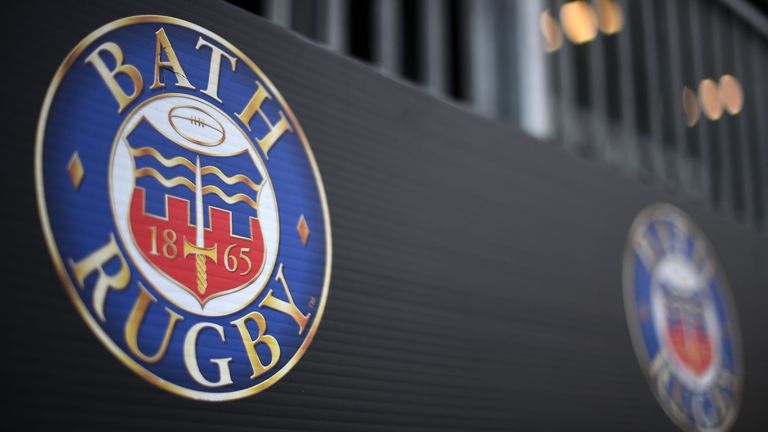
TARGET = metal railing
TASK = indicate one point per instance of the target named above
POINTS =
(631, 95)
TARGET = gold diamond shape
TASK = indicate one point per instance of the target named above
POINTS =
(75, 170)
(303, 230)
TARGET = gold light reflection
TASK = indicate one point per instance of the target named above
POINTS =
(303, 229)
(75, 170)
(610, 18)
(553, 38)
(709, 99)
(579, 21)
(731, 94)
(691, 107)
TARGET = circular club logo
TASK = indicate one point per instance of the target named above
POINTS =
(183, 208)
(681, 319)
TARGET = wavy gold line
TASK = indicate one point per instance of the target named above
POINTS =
(168, 163)
(230, 199)
(235, 179)
(169, 183)
(178, 160)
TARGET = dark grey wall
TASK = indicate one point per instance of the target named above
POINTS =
(476, 272)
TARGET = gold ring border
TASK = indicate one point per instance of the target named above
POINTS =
(54, 251)
(630, 309)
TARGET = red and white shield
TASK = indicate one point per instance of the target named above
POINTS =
(183, 148)
(690, 342)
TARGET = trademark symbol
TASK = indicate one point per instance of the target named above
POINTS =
(312, 302)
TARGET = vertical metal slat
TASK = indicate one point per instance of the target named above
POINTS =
(721, 134)
(434, 36)
(387, 41)
(598, 115)
(533, 93)
(630, 150)
(482, 74)
(652, 85)
(336, 25)
(679, 160)
(279, 11)
(738, 46)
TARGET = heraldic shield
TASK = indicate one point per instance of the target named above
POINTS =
(687, 332)
(194, 208)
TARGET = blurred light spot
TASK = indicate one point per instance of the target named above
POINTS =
(553, 38)
(709, 99)
(691, 107)
(609, 16)
(731, 94)
(579, 21)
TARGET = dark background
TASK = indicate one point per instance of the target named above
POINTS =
(476, 272)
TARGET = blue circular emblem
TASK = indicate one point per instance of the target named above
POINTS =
(681, 319)
(183, 208)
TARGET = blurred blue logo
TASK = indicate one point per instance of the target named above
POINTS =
(681, 319)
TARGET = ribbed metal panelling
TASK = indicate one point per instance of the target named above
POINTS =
(476, 272)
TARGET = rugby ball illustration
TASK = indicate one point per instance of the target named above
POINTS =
(196, 125)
